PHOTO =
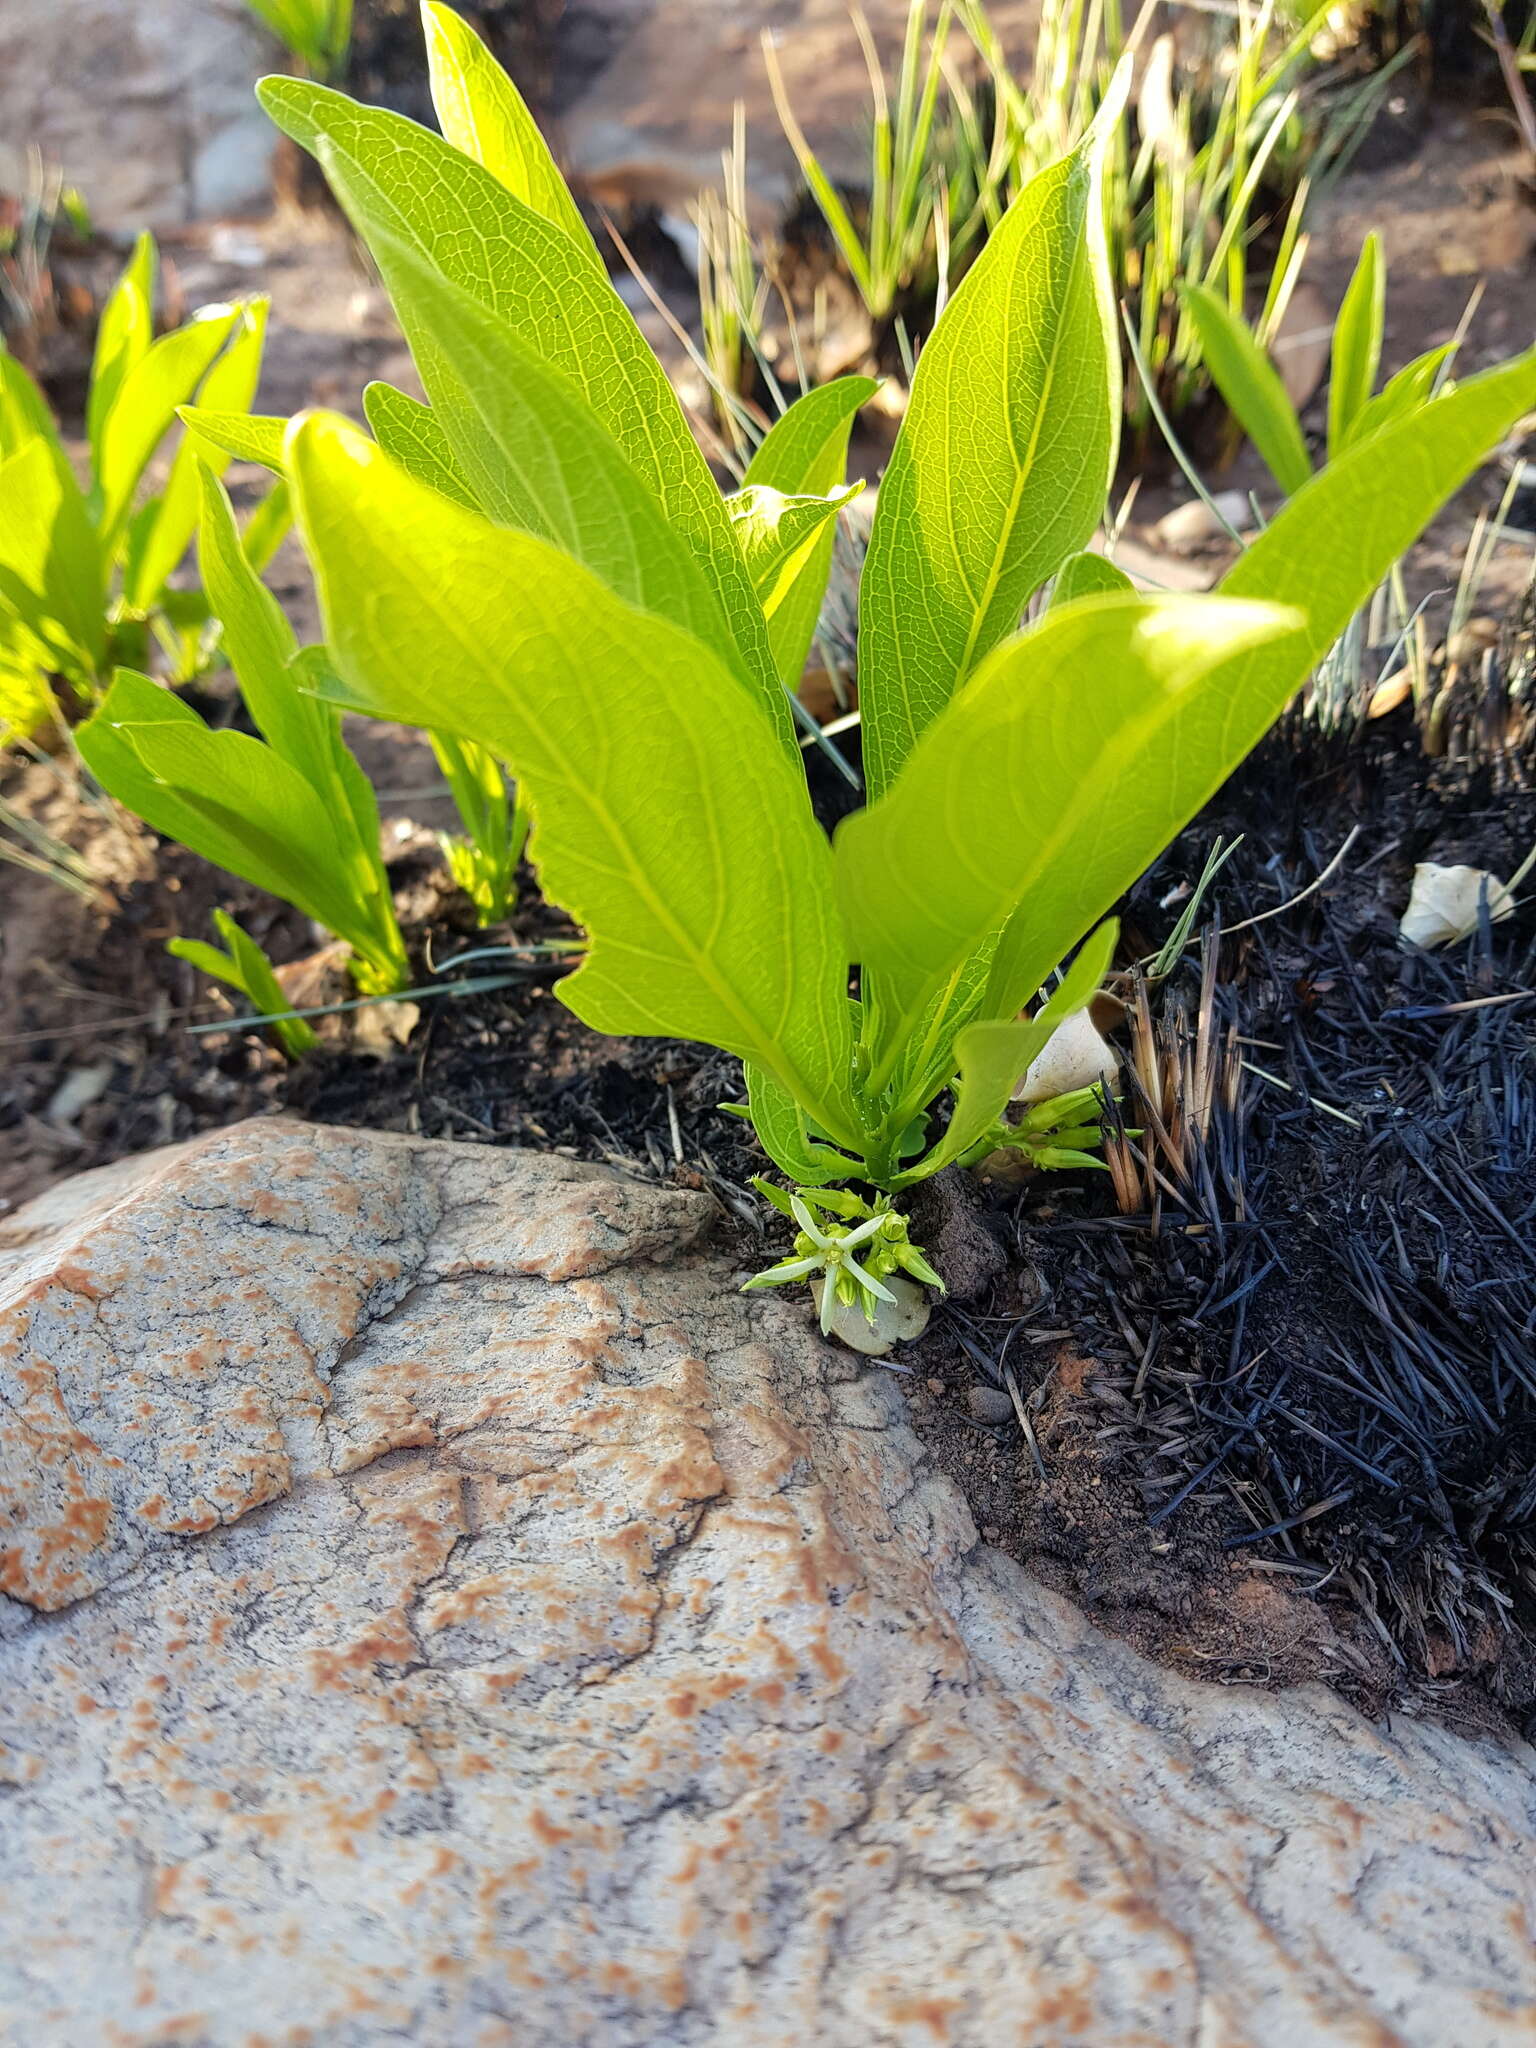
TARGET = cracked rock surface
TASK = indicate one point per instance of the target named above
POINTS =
(438, 1609)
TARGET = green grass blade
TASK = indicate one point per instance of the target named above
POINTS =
(1251, 386)
(1356, 345)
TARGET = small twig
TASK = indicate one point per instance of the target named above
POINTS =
(1302, 895)
(1519, 995)
(1024, 1422)
(100, 1029)
(477, 984)
(673, 1126)
(1175, 446)
(1326, 1107)
(1509, 64)
(681, 334)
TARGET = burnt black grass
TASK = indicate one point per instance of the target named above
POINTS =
(1323, 1331)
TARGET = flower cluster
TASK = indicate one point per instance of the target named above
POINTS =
(856, 1260)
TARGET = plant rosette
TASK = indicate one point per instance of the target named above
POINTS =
(538, 561)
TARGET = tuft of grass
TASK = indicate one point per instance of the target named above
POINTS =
(26, 844)
(1217, 161)
(888, 248)
(317, 34)
(734, 294)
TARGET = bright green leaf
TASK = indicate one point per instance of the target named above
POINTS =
(248, 437)
(229, 387)
(780, 1124)
(1100, 724)
(246, 967)
(1003, 462)
(414, 186)
(1324, 553)
(123, 336)
(140, 415)
(27, 705)
(666, 820)
(1251, 386)
(258, 639)
(780, 537)
(993, 1055)
(482, 113)
(484, 859)
(805, 452)
(1087, 575)
(53, 576)
(536, 456)
(223, 794)
(316, 32)
(24, 414)
(336, 774)
(1400, 395)
(268, 526)
(412, 434)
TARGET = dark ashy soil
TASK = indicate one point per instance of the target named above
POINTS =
(1286, 1428)
(91, 1004)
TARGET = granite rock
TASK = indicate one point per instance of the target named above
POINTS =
(438, 1608)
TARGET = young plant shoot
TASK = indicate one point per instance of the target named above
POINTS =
(84, 572)
(243, 965)
(483, 857)
(317, 34)
(540, 562)
(1251, 385)
(292, 811)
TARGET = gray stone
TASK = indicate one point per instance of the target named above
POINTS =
(439, 1608)
(989, 1404)
(893, 1322)
(661, 108)
(147, 105)
(1197, 524)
